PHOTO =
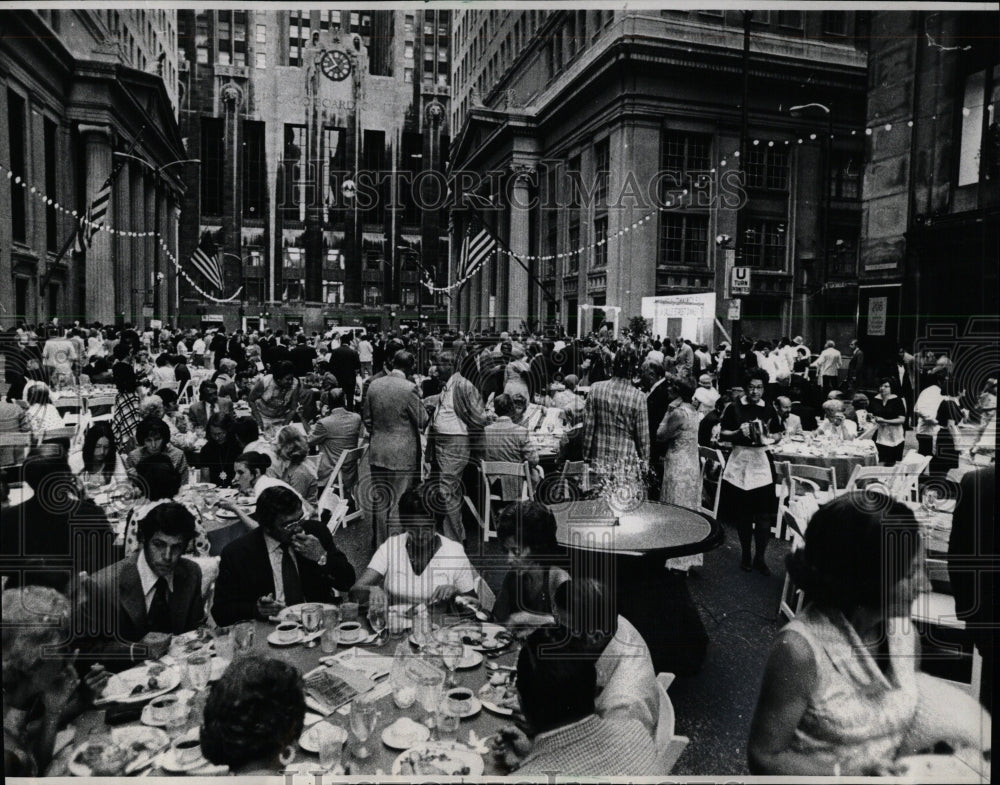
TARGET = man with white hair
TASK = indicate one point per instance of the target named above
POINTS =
(827, 366)
(705, 395)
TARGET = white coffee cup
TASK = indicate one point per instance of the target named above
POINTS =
(288, 631)
(350, 631)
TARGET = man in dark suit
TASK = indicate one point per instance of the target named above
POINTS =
(394, 417)
(286, 561)
(389, 351)
(218, 346)
(207, 404)
(303, 356)
(972, 559)
(346, 365)
(135, 605)
(658, 399)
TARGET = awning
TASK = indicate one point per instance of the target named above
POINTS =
(334, 237)
(373, 237)
(412, 239)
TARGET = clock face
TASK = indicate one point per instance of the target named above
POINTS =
(335, 65)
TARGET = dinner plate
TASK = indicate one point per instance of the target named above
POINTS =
(222, 512)
(405, 734)
(169, 763)
(495, 637)
(475, 706)
(121, 687)
(441, 759)
(294, 612)
(470, 659)
(135, 741)
(147, 711)
(309, 740)
(491, 695)
(190, 642)
(200, 486)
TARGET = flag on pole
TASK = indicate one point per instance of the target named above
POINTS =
(208, 266)
(94, 219)
(476, 249)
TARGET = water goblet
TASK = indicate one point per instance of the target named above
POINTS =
(447, 721)
(363, 719)
(199, 669)
(377, 620)
(452, 652)
(243, 637)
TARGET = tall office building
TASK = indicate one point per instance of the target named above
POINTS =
(614, 142)
(311, 127)
(79, 91)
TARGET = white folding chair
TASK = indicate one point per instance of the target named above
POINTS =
(937, 609)
(14, 447)
(712, 463)
(872, 478)
(577, 470)
(669, 745)
(336, 480)
(100, 402)
(514, 482)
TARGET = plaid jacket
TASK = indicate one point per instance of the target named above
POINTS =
(616, 429)
(592, 747)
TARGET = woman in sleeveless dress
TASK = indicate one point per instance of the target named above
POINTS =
(678, 432)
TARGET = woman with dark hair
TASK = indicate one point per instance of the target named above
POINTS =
(747, 498)
(97, 463)
(253, 716)
(157, 481)
(678, 433)
(949, 415)
(527, 531)
(41, 414)
(153, 436)
(418, 564)
(125, 411)
(840, 694)
(221, 449)
(889, 413)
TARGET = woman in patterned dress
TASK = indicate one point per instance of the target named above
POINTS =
(841, 695)
(678, 432)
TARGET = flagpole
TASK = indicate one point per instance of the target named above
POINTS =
(516, 258)
(112, 177)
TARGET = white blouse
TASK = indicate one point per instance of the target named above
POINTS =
(449, 566)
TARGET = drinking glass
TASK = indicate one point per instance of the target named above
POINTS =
(243, 637)
(430, 684)
(447, 721)
(312, 617)
(224, 642)
(199, 670)
(331, 744)
(348, 611)
(377, 620)
(363, 719)
(452, 652)
(331, 618)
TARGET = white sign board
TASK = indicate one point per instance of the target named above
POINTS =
(735, 310)
(696, 312)
(739, 282)
(877, 308)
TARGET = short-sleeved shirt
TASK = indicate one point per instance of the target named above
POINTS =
(449, 566)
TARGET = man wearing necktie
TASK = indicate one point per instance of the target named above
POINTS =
(286, 561)
(134, 606)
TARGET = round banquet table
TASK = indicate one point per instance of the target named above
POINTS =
(843, 463)
(628, 550)
(484, 723)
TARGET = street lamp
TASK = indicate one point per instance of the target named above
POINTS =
(800, 111)
(157, 171)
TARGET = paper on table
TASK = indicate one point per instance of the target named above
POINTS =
(371, 664)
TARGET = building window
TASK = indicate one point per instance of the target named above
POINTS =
(261, 34)
(254, 170)
(292, 202)
(408, 26)
(972, 127)
(791, 19)
(600, 241)
(408, 50)
(686, 155)
(409, 297)
(213, 159)
(767, 167)
(835, 23)
(260, 60)
(602, 169)
(240, 58)
(16, 137)
(764, 243)
(845, 174)
(51, 157)
(683, 239)
(333, 292)
(372, 297)
(224, 58)
(223, 30)
(407, 75)
(573, 249)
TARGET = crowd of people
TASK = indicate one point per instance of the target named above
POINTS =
(429, 406)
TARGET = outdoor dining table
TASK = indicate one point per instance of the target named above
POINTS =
(628, 549)
(843, 457)
(483, 724)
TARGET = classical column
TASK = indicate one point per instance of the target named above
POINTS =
(519, 287)
(122, 203)
(135, 262)
(147, 243)
(100, 299)
(161, 285)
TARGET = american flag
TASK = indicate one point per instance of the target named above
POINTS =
(92, 222)
(476, 248)
(208, 266)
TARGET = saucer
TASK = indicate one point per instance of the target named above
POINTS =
(274, 640)
(404, 734)
(169, 762)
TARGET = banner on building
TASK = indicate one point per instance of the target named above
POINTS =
(877, 312)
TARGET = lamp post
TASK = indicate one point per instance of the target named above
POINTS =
(157, 172)
(800, 111)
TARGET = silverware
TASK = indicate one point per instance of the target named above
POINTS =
(496, 666)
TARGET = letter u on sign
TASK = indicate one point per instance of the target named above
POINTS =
(739, 281)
